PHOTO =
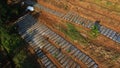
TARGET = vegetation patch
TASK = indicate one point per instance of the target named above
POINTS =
(73, 33)
(25, 60)
(112, 6)
(11, 44)
(55, 55)
(68, 50)
(58, 4)
(19, 59)
(94, 31)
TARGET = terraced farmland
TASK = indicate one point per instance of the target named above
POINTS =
(58, 32)
(76, 18)
(39, 36)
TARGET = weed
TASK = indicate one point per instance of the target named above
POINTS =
(68, 50)
(95, 31)
(55, 55)
(109, 3)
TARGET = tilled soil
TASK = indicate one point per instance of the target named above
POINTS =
(104, 50)
(93, 12)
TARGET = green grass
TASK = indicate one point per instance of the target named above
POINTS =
(73, 33)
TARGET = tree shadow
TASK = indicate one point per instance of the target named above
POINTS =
(31, 61)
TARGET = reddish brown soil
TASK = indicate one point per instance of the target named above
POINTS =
(94, 12)
(96, 45)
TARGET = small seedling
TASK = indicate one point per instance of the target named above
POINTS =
(68, 50)
(55, 55)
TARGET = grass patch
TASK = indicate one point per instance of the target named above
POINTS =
(73, 33)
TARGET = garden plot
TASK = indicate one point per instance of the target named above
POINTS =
(45, 60)
(72, 16)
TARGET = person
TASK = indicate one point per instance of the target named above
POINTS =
(97, 24)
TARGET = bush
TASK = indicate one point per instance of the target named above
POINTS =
(95, 31)
(10, 41)
(19, 59)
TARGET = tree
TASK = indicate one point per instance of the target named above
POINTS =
(9, 41)
(4, 44)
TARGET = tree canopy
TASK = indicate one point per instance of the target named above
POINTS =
(10, 41)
